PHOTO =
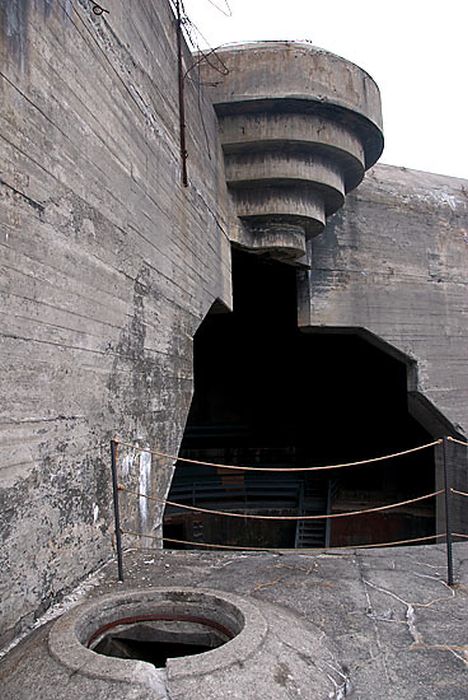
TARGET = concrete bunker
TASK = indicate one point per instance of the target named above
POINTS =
(270, 394)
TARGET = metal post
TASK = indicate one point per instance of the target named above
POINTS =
(448, 514)
(115, 492)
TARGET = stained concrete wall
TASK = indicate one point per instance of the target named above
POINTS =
(107, 267)
(394, 263)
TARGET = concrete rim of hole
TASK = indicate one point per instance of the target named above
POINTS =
(70, 634)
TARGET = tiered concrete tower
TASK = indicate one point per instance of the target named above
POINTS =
(299, 127)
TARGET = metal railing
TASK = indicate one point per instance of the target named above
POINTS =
(447, 491)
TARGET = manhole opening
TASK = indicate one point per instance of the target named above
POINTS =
(156, 638)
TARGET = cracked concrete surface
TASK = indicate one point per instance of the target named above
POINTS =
(364, 624)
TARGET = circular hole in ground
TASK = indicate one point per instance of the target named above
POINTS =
(160, 636)
(128, 636)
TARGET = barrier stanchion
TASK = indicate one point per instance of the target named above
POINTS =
(115, 494)
(448, 514)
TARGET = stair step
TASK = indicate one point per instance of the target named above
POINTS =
(314, 501)
(311, 530)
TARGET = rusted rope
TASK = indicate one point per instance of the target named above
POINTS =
(459, 442)
(252, 516)
(282, 549)
(282, 469)
(460, 493)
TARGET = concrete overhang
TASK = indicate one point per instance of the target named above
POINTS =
(299, 127)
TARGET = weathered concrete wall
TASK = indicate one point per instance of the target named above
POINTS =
(108, 264)
(107, 267)
(394, 262)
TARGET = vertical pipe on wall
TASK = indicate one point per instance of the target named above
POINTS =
(181, 79)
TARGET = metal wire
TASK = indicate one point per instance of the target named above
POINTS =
(227, 11)
(251, 516)
(282, 469)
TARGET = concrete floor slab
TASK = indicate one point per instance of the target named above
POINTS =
(363, 623)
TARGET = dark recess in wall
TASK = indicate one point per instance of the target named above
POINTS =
(268, 394)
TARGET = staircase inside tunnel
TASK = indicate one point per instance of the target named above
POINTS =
(270, 395)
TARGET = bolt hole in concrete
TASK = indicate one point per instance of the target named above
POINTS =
(156, 639)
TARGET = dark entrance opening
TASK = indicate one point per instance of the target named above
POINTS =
(157, 640)
(156, 653)
(268, 394)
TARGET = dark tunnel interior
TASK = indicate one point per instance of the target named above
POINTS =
(269, 394)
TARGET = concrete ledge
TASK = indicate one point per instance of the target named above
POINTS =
(305, 135)
(299, 126)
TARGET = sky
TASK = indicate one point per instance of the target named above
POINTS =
(416, 51)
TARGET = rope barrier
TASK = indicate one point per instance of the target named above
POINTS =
(291, 518)
(283, 469)
(460, 493)
(283, 549)
(252, 516)
(459, 442)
